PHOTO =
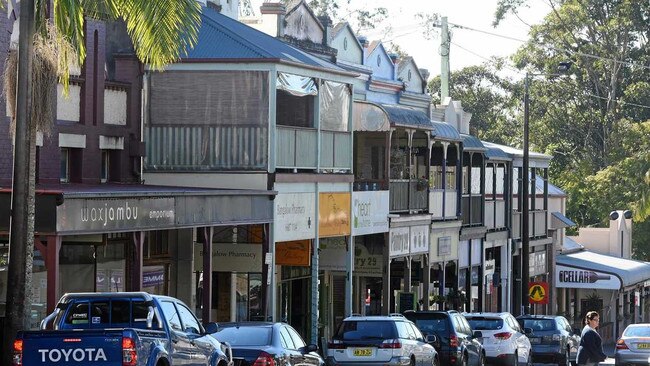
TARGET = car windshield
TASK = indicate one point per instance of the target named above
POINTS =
(353, 330)
(538, 324)
(481, 323)
(244, 336)
(433, 325)
(637, 332)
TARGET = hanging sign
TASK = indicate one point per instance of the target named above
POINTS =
(369, 212)
(569, 277)
(488, 267)
(294, 216)
(399, 241)
(293, 253)
(419, 237)
(334, 214)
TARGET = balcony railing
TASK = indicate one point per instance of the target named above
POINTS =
(406, 197)
(536, 224)
(495, 213)
(436, 203)
(297, 147)
(472, 217)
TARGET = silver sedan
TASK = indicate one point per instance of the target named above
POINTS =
(634, 346)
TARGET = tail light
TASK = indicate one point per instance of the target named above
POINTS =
(336, 344)
(18, 352)
(391, 344)
(556, 337)
(503, 336)
(621, 344)
(129, 354)
(453, 341)
(264, 359)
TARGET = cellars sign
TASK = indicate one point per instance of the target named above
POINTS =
(569, 277)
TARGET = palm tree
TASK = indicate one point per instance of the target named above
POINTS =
(52, 37)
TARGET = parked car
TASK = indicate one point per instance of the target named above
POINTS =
(633, 348)
(380, 340)
(121, 328)
(457, 343)
(552, 338)
(504, 341)
(261, 343)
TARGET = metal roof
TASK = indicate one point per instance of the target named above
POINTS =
(495, 153)
(472, 143)
(223, 38)
(628, 271)
(565, 221)
(445, 131)
(407, 117)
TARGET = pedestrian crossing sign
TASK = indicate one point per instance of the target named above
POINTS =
(538, 292)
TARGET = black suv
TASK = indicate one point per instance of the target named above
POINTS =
(457, 343)
(552, 339)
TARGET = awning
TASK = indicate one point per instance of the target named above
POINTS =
(495, 154)
(590, 270)
(402, 116)
(559, 221)
(367, 116)
(472, 143)
(445, 131)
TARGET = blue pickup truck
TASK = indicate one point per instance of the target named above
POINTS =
(121, 329)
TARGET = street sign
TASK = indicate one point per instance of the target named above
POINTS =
(538, 292)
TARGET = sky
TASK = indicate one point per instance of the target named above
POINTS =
(468, 47)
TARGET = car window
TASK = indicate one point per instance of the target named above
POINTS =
(512, 323)
(458, 325)
(403, 331)
(120, 311)
(483, 323)
(539, 324)
(296, 338)
(416, 331)
(78, 314)
(354, 330)
(565, 324)
(437, 325)
(244, 336)
(171, 315)
(288, 342)
(643, 331)
(140, 312)
(468, 328)
(190, 323)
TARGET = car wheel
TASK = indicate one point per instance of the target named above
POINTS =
(481, 360)
(435, 362)
(412, 361)
(515, 359)
(464, 360)
(567, 359)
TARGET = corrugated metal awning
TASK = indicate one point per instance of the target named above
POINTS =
(496, 154)
(472, 143)
(367, 116)
(402, 116)
(445, 131)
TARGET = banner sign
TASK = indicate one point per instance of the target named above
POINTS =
(369, 212)
(294, 216)
(399, 241)
(569, 277)
(488, 267)
(231, 257)
(153, 276)
(334, 214)
(293, 253)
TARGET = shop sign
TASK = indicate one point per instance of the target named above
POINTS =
(154, 276)
(444, 246)
(369, 212)
(334, 214)
(538, 292)
(488, 267)
(569, 277)
(231, 257)
(366, 264)
(399, 242)
(332, 254)
(295, 215)
(293, 253)
(105, 215)
(419, 239)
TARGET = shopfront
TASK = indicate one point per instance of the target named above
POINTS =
(443, 258)
(470, 275)
(496, 274)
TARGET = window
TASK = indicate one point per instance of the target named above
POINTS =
(286, 340)
(78, 314)
(105, 165)
(403, 331)
(190, 324)
(244, 336)
(416, 333)
(64, 175)
(171, 315)
(296, 338)
(355, 330)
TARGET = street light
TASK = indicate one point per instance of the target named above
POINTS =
(563, 67)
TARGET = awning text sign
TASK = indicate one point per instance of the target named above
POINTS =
(295, 216)
(399, 242)
(334, 214)
(369, 212)
(231, 257)
(570, 277)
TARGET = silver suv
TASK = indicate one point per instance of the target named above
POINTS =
(385, 340)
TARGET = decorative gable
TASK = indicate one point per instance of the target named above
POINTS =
(409, 74)
(302, 24)
(346, 43)
(381, 64)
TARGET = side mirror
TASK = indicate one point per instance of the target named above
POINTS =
(211, 328)
(432, 338)
(528, 331)
(311, 348)
(478, 334)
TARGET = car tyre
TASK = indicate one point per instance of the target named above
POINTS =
(481, 360)
(412, 361)
(435, 361)
(567, 359)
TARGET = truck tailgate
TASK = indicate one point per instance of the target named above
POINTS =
(79, 347)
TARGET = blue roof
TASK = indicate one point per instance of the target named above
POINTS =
(494, 153)
(223, 38)
(445, 131)
(399, 115)
(472, 143)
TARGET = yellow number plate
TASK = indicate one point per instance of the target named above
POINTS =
(643, 346)
(362, 352)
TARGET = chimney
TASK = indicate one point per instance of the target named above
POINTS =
(214, 6)
(364, 43)
(326, 21)
(425, 75)
(393, 57)
(273, 18)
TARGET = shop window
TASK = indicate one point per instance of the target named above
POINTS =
(105, 166)
(156, 244)
(64, 169)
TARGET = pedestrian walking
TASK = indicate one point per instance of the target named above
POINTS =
(590, 352)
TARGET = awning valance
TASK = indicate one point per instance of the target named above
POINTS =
(587, 269)
(472, 143)
(369, 117)
(445, 131)
(495, 154)
(408, 117)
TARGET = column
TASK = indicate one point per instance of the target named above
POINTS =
(206, 306)
(136, 261)
(51, 255)
(426, 278)
(386, 290)
(349, 268)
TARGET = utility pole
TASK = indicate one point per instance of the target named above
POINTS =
(444, 60)
(20, 237)
(525, 237)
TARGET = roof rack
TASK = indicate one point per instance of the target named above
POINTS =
(396, 315)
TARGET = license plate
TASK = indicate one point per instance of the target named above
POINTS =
(535, 340)
(362, 352)
(643, 346)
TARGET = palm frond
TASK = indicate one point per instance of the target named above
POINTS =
(161, 30)
(69, 22)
